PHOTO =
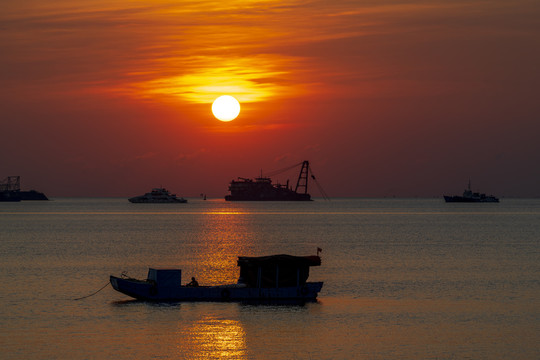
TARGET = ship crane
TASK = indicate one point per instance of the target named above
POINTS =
(303, 177)
(11, 183)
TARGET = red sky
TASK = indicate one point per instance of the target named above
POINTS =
(384, 98)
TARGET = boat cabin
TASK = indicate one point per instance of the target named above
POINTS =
(276, 270)
(165, 277)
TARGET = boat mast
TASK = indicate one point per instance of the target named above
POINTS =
(303, 177)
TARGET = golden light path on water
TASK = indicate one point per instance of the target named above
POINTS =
(223, 232)
(214, 338)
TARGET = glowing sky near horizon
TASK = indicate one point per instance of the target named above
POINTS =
(384, 98)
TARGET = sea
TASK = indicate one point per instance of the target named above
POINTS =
(403, 279)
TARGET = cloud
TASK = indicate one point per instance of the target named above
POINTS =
(146, 156)
(191, 156)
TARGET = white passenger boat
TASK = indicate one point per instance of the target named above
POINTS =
(157, 195)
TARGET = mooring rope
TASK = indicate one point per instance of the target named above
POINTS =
(87, 296)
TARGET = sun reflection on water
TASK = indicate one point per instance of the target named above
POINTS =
(225, 233)
(214, 338)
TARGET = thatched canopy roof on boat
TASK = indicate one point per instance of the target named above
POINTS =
(281, 259)
(276, 270)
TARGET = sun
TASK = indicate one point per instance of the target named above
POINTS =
(226, 108)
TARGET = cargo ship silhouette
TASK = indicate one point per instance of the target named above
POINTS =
(262, 189)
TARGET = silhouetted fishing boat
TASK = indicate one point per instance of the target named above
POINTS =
(469, 196)
(262, 189)
(157, 195)
(275, 277)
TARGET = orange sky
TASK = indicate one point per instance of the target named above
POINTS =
(385, 98)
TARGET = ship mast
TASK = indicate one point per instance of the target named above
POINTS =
(303, 177)
(11, 183)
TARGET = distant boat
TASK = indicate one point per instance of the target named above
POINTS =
(469, 196)
(33, 195)
(262, 189)
(10, 190)
(10, 196)
(275, 277)
(157, 195)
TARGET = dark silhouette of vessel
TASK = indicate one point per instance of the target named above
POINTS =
(11, 196)
(262, 189)
(33, 195)
(469, 196)
(10, 190)
(278, 278)
(157, 196)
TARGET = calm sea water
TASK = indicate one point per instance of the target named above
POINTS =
(404, 279)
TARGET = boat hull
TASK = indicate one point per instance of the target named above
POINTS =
(139, 200)
(33, 195)
(150, 291)
(10, 196)
(272, 197)
(462, 199)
